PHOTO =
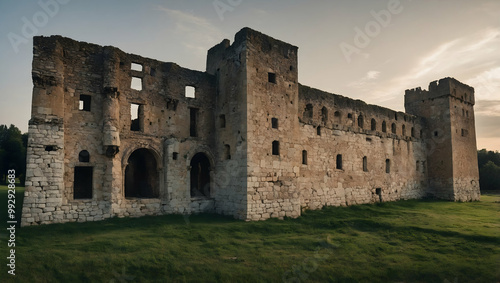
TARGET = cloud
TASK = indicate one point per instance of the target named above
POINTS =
(488, 108)
(472, 56)
(486, 84)
(197, 31)
(371, 75)
(366, 80)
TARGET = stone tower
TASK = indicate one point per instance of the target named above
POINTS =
(257, 95)
(448, 108)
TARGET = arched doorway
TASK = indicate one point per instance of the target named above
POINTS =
(141, 175)
(200, 176)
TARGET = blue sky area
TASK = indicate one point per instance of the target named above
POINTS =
(366, 49)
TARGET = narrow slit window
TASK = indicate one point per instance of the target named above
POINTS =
(318, 131)
(274, 123)
(387, 166)
(404, 130)
(339, 161)
(136, 83)
(304, 157)
(384, 127)
(84, 103)
(136, 67)
(365, 164)
(271, 77)
(276, 148)
(222, 121)
(175, 155)
(190, 91)
(227, 152)
(193, 117)
(393, 128)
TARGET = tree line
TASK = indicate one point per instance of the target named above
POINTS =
(13, 146)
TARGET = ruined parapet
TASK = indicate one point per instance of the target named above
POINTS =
(448, 110)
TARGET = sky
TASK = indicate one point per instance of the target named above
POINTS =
(371, 50)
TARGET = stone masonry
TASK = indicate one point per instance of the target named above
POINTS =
(117, 134)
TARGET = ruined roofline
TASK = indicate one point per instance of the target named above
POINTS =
(41, 40)
(346, 102)
(248, 34)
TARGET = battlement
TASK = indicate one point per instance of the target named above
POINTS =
(444, 87)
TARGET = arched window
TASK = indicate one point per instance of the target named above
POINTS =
(324, 115)
(393, 128)
(373, 125)
(308, 112)
(361, 121)
(404, 130)
(337, 117)
(141, 175)
(200, 175)
(384, 127)
(412, 132)
(84, 156)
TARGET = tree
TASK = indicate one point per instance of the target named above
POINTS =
(489, 169)
(12, 152)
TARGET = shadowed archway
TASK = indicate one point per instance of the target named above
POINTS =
(141, 175)
(200, 176)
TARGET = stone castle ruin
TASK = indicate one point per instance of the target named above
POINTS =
(115, 134)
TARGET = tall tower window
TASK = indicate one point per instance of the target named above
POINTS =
(304, 157)
(365, 164)
(387, 166)
(373, 125)
(276, 148)
(193, 116)
(339, 161)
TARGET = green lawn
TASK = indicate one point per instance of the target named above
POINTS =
(406, 241)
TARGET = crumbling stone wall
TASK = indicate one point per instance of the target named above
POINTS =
(117, 134)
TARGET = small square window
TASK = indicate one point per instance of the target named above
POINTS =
(274, 123)
(136, 83)
(136, 67)
(190, 92)
(271, 77)
(84, 104)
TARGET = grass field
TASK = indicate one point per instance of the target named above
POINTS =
(406, 241)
